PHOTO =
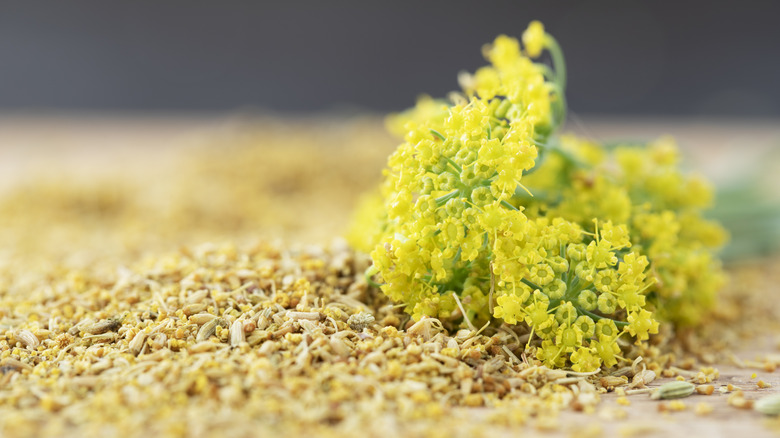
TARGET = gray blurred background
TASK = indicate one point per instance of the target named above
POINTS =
(715, 58)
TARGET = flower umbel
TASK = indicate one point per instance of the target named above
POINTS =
(485, 211)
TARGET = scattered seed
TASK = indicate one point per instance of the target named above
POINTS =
(611, 382)
(672, 390)
(102, 338)
(10, 363)
(100, 327)
(360, 321)
(202, 318)
(237, 336)
(311, 316)
(208, 329)
(642, 378)
(705, 389)
(137, 343)
(191, 309)
(769, 405)
(737, 399)
(27, 338)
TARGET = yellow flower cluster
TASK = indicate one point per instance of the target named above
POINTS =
(640, 186)
(484, 214)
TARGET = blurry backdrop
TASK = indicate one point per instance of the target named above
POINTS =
(643, 58)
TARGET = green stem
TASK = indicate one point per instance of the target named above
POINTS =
(441, 200)
(531, 284)
(559, 105)
(596, 317)
(370, 273)
(438, 134)
(574, 289)
(558, 61)
(454, 164)
(547, 71)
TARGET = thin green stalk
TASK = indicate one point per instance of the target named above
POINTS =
(454, 164)
(438, 134)
(441, 200)
(596, 317)
(558, 61)
(370, 273)
(531, 284)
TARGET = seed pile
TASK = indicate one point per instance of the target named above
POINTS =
(265, 339)
(274, 337)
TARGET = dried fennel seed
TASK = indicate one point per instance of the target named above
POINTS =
(237, 335)
(769, 405)
(302, 337)
(102, 327)
(208, 329)
(360, 321)
(642, 378)
(673, 390)
(737, 399)
(27, 338)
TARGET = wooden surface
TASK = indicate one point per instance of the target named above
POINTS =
(101, 144)
(92, 146)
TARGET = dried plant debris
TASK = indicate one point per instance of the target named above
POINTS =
(286, 338)
(769, 405)
(676, 389)
(283, 338)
